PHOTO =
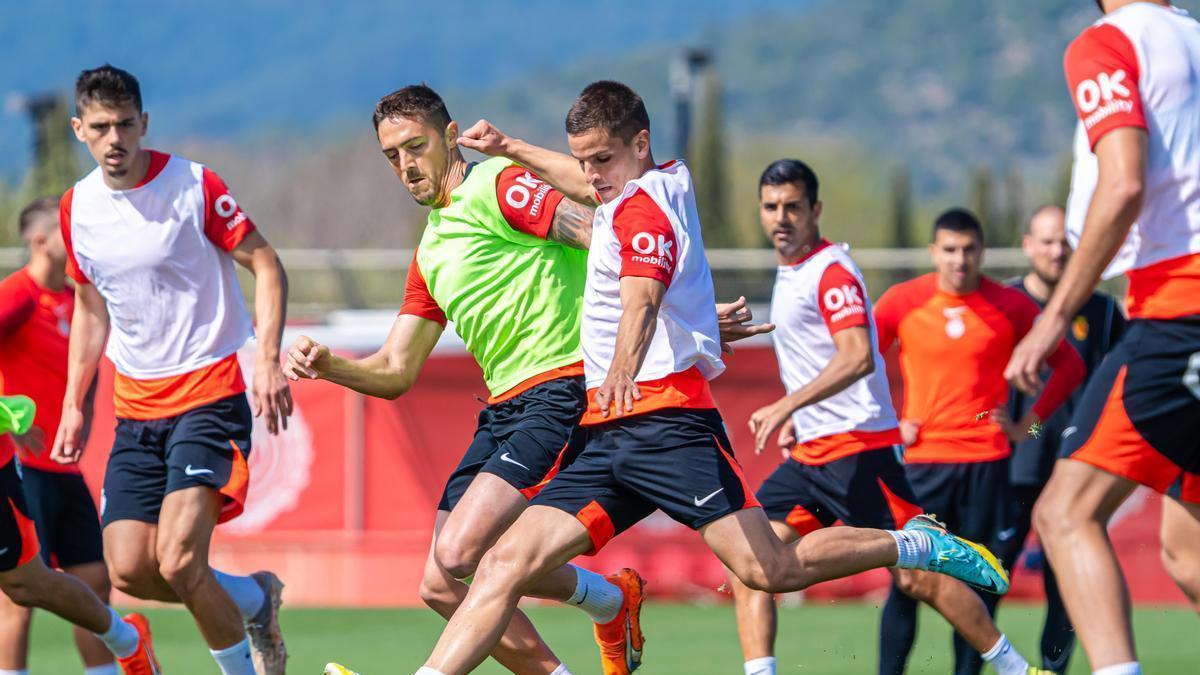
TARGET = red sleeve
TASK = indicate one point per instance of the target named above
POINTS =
(1067, 373)
(1102, 75)
(527, 202)
(887, 317)
(647, 239)
(64, 224)
(417, 300)
(840, 296)
(16, 305)
(225, 224)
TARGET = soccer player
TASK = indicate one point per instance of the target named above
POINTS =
(654, 436)
(956, 329)
(151, 244)
(1135, 208)
(839, 433)
(35, 321)
(26, 580)
(1094, 331)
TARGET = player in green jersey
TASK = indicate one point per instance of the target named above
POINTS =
(503, 257)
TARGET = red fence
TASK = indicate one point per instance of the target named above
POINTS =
(342, 504)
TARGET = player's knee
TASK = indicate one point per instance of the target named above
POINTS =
(182, 570)
(914, 584)
(23, 592)
(458, 558)
(505, 567)
(1183, 569)
(767, 576)
(436, 593)
(1052, 518)
(132, 576)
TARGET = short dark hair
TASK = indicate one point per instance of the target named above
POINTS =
(787, 171)
(414, 102)
(611, 106)
(958, 220)
(32, 210)
(107, 84)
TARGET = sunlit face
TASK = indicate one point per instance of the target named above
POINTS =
(1046, 245)
(957, 257)
(788, 219)
(420, 156)
(113, 135)
(609, 163)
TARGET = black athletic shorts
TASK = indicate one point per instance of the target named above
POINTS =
(18, 535)
(866, 489)
(68, 526)
(675, 459)
(1139, 417)
(523, 440)
(206, 446)
(974, 499)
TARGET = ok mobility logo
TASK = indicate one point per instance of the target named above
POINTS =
(1103, 96)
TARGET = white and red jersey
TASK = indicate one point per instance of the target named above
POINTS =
(653, 230)
(1136, 67)
(813, 299)
(158, 253)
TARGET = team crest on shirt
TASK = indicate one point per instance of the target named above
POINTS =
(956, 327)
(1079, 328)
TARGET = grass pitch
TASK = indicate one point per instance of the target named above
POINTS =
(815, 639)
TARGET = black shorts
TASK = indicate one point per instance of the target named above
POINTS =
(1139, 417)
(974, 499)
(18, 535)
(866, 489)
(68, 526)
(523, 440)
(206, 446)
(678, 460)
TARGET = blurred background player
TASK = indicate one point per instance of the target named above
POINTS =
(27, 582)
(655, 439)
(1134, 209)
(956, 329)
(838, 431)
(1094, 331)
(151, 243)
(35, 321)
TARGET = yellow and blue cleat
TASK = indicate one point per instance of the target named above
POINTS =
(338, 669)
(971, 563)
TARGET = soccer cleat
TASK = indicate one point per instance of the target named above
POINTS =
(621, 639)
(1039, 671)
(971, 563)
(338, 669)
(266, 640)
(142, 661)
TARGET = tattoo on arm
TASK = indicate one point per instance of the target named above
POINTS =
(572, 225)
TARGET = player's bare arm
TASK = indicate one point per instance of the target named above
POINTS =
(572, 225)
(1121, 154)
(853, 361)
(271, 396)
(560, 170)
(641, 298)
(89, 331)
(388, 373)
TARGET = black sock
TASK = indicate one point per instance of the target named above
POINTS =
(897, 630)
(1058, 636)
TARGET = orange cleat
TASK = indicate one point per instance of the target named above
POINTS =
(621, 639)
(142, 660)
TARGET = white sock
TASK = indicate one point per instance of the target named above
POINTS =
(245, 591)
(235, 660)
(1005, 659)
(912, 548)
(761, 666)
(120, 638)
(23, 671)
(1129, 668)
(426, 670)
(106, 669)
(561, 670)
(597, 596)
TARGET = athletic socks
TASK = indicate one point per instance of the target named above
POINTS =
(561, 670)
(761, 666)
(1005, 659)
(425, 670)
(597, 596)
(912, 548)
(235, 660)
(14, 672)
(1130, 668)
(106, 669)
(120, 638)
(245, 591)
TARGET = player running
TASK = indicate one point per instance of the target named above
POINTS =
(956, 329)
(27, 581)
(151, 243)
(837, 427)
(654, 437)
(1135, 208)
(1094, 331)
(35, 321)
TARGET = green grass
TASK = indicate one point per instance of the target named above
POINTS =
(681, 639)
